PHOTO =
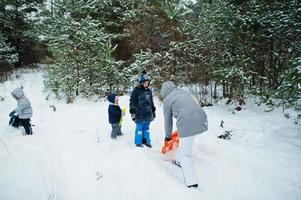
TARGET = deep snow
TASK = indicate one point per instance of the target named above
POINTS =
(71, 156)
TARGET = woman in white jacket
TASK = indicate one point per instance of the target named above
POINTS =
(191, 121)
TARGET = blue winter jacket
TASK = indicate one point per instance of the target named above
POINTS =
(142, 104)
(114, 114)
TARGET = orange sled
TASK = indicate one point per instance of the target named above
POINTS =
(171, 144)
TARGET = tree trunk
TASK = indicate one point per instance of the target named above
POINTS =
(230, 92)
(271, 69)
(215, 88)
(91, 77)
(241, 95)
(224, 90)
(211, 93)
(77, 78)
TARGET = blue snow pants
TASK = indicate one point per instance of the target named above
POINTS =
(142, 131)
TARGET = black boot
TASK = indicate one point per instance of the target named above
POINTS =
(139, 145)
(144, 140)
(148, 145)
(176, 163)
(193, 186)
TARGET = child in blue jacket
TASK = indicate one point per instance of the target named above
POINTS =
(143, 110)
(115, 115)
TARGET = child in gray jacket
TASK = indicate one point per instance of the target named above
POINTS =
(23, 111)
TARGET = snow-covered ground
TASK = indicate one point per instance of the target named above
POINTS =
(71, 156)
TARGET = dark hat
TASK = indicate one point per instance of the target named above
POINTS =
(111, 97)
(143, 77)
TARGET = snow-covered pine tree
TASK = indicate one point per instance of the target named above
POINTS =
(115, 16)
(290, 90)
(154, 29)
(17, 26)
(8, 56)
(173, 9)
(81, 50)
(241, 44)
(201, 49)
(7, 52)
(273, 37)
(156, 65)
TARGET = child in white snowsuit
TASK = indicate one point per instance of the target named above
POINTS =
(191, 121)
(23, 111)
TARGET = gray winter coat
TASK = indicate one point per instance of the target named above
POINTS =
(191, 119)
(23, 109)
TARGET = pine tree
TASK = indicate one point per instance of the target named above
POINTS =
(115, 16)
(151, 34)
(243, 46)
(17, 23)
(7, 52)
(240, 44)
(290, 89)
(82, 51)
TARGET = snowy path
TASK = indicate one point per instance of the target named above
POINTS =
(71, 157)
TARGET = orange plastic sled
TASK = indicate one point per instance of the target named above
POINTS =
(171, 144)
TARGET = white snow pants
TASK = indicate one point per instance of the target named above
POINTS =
(184, 156)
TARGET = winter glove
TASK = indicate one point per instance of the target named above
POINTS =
(133, 110)
(12, 113)
(133, 116)
(167, 138)
(153, 109)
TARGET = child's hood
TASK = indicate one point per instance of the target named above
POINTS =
(18, 92)
(111, 97)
